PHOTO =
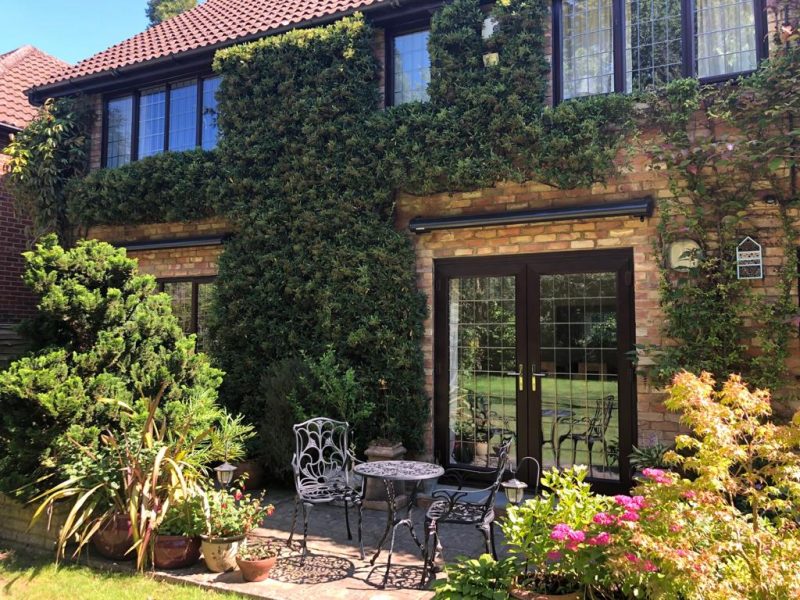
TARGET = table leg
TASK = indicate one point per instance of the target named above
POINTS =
(390, 517)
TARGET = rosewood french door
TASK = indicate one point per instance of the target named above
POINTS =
(534, 348)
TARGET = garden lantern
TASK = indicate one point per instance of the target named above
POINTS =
(225, 473)
(514, 490)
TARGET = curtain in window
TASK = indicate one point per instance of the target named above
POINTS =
(412, 67)
(587, 47)
(726, 41)
(120, 131)
(152, 105)
(183, 116)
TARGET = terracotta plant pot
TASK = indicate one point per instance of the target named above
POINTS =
(255, 474)
(523, 594)
(256, 570)
(115, 538)
(175, 551)
(219, 554)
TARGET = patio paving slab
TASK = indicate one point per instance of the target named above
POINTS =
(333, 568)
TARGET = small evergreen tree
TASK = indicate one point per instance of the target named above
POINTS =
(161, 10)
(107, 345)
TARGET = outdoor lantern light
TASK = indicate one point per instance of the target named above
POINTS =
(225, 473)
(514, 490)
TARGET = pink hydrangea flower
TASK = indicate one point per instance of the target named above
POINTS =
(603, 518)
(629, 515)
(571, 545)
(676, 527)
(688, 495)
(649, 567)
(681, 552)
(560, 532)
(657, 475)
(576, 536)
(632, 557)
(601, 539)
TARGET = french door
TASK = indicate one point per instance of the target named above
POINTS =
(534, 348)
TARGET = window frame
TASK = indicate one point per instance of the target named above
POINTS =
(136, 94)
(421, 23)
(195, 281)
(688, 46)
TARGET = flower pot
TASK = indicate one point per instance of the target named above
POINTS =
(255, 474)
(375, 494)
(256, 570)
(523, 594)
(463, 452)
(219, 554)
(175, 551)
(115, 538)
(481, 448)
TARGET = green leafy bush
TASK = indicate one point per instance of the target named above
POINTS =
(185, 517)
(107, 345)
(476, 579)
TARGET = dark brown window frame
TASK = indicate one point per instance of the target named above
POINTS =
(135, 94)
(618, 44)
(195, 281)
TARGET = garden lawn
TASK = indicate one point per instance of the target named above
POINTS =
(37, 578)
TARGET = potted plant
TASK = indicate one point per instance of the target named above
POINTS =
(256, 561)
(231, 515)
(177, 540)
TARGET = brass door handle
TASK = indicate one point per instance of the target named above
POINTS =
(534, 375)
(520, 375)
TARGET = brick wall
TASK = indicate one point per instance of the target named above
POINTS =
(15, 519)
(198, 261)
(16, 301)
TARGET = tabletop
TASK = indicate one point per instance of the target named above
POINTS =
(400, 470)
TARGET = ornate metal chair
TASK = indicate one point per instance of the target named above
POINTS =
(453, 506)
(322, 465)
(592, 430)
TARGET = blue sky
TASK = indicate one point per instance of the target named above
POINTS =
(69, 29)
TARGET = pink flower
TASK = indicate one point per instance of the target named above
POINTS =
(554, 556)
(688, 495)
(601, 539)
(629, 515)
(630, 503)
(676, 527)
(649, 567)
(576, 536)
(571, 545)
(632, 557)
(560, 532)
(681, 552)
(237, 495)
(657, 475)
(602, 518)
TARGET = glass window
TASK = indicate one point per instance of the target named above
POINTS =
(181, 294)
(152, 105)
(653, 43)
(183, 115)
(205, 293)
(120, 130)
(726, 41)
(411, 67)
(191, 305)
(209, 134)
(587, 47)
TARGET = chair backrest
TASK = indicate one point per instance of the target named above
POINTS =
(322, 452)
(602, 416)
(502, 464)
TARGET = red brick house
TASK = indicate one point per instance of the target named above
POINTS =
(19, 70)
(582, 259)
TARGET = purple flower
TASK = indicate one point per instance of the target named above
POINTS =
(554, 556)
(560, 532)
(576, 536)
(603, 518)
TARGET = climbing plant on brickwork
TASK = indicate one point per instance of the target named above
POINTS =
(727, 149)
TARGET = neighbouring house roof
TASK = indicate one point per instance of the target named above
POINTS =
(210, 24)
(19, 70)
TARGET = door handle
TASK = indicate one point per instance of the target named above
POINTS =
(534, 375)
(520, 375)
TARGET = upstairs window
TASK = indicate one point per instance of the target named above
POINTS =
(173, 117)
(409, 67)
(603, 46)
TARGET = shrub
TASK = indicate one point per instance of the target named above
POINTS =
(476, 579)
(107, 346)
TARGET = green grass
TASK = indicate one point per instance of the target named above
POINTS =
(31, 577)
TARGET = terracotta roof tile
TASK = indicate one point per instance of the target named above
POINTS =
(214, 22)
(19, 69)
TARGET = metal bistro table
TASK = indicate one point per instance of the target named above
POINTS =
(391, 471)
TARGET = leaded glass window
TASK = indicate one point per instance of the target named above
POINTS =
(183, 116)
(151, 122)
(412, 67)
(120, 131)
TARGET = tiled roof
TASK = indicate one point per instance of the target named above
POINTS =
(212, 23)
(19, 69)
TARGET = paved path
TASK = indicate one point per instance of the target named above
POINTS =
(333, 568)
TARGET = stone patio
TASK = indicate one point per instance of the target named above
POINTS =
(333, 568)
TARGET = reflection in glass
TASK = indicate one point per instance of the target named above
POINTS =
(726, 40)
(482, 390)
(412, 67)
(120, 131)
(210, 133)
(152, 105)
(181, 294)
(183, 116)
(578, 350)
(588, 63)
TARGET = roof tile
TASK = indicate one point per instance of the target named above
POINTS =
(214, 22)
(19, 69)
